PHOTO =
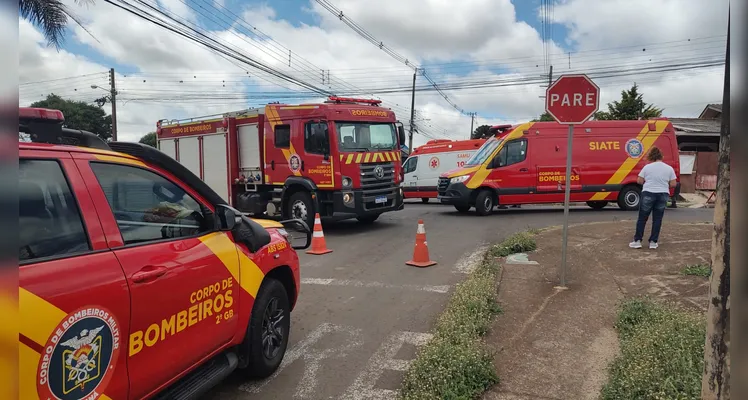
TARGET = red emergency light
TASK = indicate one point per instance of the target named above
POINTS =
(40, 113)
(353, 100)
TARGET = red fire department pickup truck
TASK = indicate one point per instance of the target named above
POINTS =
(136, 279)
(526, 164)
(338, 158)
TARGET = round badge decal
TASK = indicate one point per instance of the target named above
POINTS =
(434, 162)
(634, 148)
(78, 359)
(294, 162)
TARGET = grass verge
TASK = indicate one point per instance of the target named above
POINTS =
(454, 364)
(662, 351)
(698, 270)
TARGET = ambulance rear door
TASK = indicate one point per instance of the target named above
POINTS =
(431, 166)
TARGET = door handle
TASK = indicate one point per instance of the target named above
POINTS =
(523, 170)
(148, 274)
(272, 164)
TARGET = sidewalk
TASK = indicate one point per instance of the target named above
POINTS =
(557, 344)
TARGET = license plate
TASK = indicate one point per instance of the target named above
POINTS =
(380, 199)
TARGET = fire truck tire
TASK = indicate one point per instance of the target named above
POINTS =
(301, 206)
(629, 198)
(269, 324)
(484, 202)
(368, 219)
(462, 208)
(424, 200)
(597, 205)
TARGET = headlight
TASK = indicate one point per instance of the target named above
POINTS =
(347, 182)
(347, 197)
(459, 179)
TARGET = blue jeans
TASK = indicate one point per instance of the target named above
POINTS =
(651, 203)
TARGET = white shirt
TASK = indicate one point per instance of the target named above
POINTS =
(657, 177)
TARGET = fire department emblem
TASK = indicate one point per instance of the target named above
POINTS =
(379, 172)
(79, 357)
(294, 162)
(634, 148)
(434, 162)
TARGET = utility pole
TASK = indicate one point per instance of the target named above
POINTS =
(113, 96)
(472, 120)
(412, 112)
(715, 382)
(550, 76)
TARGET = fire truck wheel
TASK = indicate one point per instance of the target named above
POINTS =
(424, 200)
(268, 330)
(462, 208)
(484, 202)
(629, 198)
(300, 206)
(368, 219)
(597, 205)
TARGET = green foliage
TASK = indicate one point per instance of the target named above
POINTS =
(544, 117)
(662, 353)
(149, 139)
(518, 243)
(454, 364)
(631, 107)
(698, 270)
(80, 115)
(51, 16)
(481, 132)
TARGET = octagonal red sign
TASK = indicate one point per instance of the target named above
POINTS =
(572, 99)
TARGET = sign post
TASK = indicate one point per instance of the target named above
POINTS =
(570, 100)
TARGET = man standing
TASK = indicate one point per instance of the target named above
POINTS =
(657, 178)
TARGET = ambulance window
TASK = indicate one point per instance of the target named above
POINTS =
(147, 206)
(283, 136)
(410, 165)
(512, 153)
(50, 223)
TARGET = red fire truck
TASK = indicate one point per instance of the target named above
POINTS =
(340, 158)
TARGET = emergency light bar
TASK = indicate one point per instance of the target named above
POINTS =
(337, 99)
(40, 114)
(45, 126)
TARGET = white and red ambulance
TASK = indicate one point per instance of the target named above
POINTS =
(425, 164)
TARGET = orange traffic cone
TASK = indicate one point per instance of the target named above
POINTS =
(318, 238)
(421, 250)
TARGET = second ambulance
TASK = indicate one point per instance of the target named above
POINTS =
(526, 164)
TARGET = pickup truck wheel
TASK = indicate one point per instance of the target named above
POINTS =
(269, 327)
(462, 208)
(368, 219)
(484, 203)
(597, 205)
(629, 198)
(300, 206)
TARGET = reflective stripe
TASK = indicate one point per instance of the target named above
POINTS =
(421, 229)
(317, 221)
(318, 234)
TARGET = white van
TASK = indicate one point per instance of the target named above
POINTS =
(422, 169)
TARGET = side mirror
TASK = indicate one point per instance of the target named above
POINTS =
(251, 234)
(401, 134)
(227, 218)
(299, 234)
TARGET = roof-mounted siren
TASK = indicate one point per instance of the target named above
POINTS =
(350, 100)
(498, 129)
(44, 125)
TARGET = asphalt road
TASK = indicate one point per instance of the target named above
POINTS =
(362, 312)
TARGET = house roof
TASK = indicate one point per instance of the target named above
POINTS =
(711, 111)
(696, 126)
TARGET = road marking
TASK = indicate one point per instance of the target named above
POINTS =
(363, 387)
(469, 261)
(354, 283)
(312, 358)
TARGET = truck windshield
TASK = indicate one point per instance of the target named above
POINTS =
(366, 136)
(484, 152)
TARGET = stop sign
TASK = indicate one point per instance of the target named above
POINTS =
(572, 99)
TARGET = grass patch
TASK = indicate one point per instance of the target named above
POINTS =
(455, 364)
(518, 243)
(662, 351)
(698, 270)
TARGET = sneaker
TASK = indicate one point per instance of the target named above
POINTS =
(636, 244)
(652, 245)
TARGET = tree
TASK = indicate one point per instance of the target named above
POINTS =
(715, 381)
(149, 139)
(51, 16)
(544, 117)
(631, 106)
(80, 115)
(481, 132)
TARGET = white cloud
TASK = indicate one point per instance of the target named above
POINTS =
(429, 30)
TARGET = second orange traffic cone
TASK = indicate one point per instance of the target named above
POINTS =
(421, 250)
(318, 238)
